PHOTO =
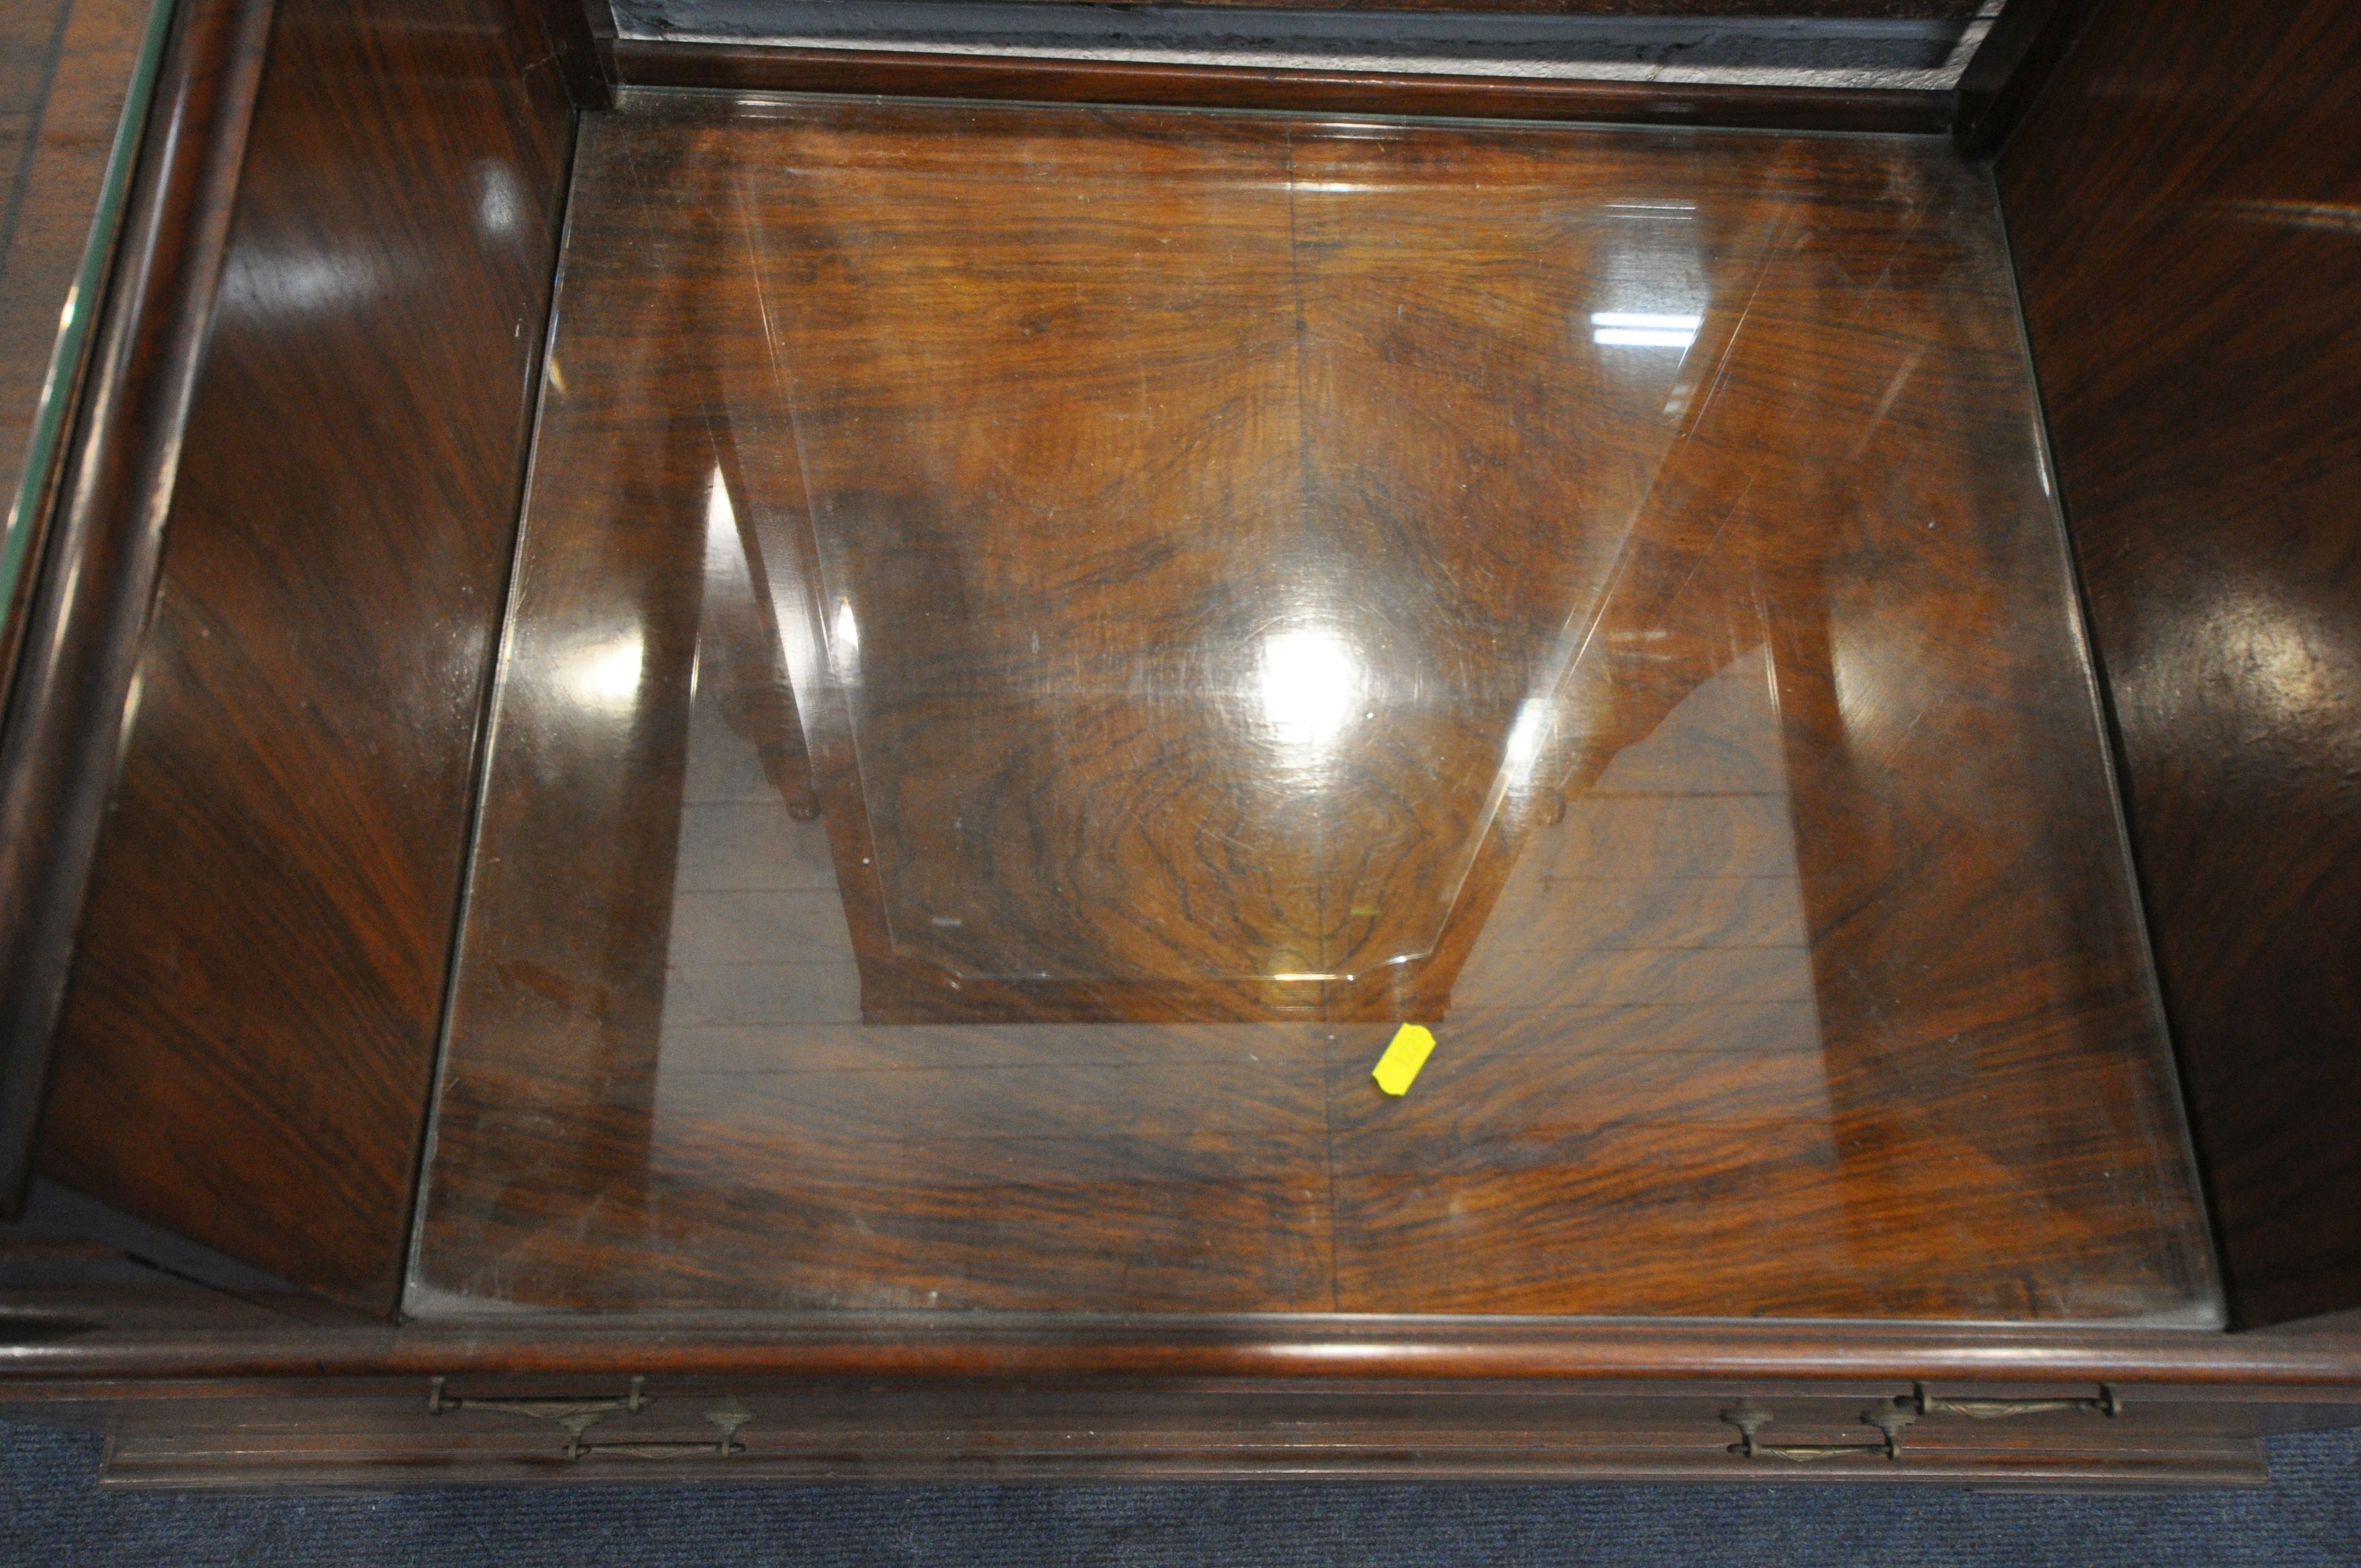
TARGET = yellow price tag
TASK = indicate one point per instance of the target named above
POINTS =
(1411, 1044)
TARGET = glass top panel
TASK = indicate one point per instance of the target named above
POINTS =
(1044, 638)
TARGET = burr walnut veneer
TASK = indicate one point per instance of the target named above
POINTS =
(715, 774)
(1041, 636)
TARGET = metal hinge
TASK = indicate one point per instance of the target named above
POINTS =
(579, 1415)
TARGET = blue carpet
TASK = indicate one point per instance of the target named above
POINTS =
(52, 1515)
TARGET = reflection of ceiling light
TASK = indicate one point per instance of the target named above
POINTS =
(1309, 686)
(1642, 329)
(608, 674)
(267, 287)
(844, 643)
(720, 524)
(1524, 747)
(2332, 215)
(499, 200)
(2291, 666)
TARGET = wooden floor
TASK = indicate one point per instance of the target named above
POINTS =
(1044, 635)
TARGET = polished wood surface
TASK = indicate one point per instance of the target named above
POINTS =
(2193, 289)
(121, 1351)
(849, 1432)
(644, 62)
(98, 576)
(247, 1040)
(1192, 1393)
(1244, 582)
(66, 67)
(241, 1405)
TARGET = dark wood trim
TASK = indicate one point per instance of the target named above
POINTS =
(641, 63)
(1682, 8)
(57, 227)
(60, 747)
(2009, 68)
(2179, 201)
(582, 32)
(839, 1432)
(50, 1358)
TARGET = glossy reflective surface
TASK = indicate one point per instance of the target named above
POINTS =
(1043, 636)
(2193, 298)
(73, 73)
(246, 1044)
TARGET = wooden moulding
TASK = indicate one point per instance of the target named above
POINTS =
(75, 92)
(86, 1359)
(60, 746)
(641, 63)
(582, 34)
(673, 1430)
(2007, 73)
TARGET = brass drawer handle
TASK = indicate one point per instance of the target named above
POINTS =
(634, 1401)
(579, 1415)
(729, 1415)
(2108, 1403)
(1891, 1421)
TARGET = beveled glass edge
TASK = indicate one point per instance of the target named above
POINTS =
(429, 1307)
(487, 728)
(2101, 699)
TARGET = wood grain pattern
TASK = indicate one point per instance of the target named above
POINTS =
(644, 62)
(838, 1432)
(2193, 289)
(65, 68)
(1719, 751)
(247, 1040)
(90, 605)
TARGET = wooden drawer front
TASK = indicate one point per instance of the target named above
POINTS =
(679, 1434)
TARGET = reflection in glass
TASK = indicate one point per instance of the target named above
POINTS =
(1309, 683)
(1043, 637)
